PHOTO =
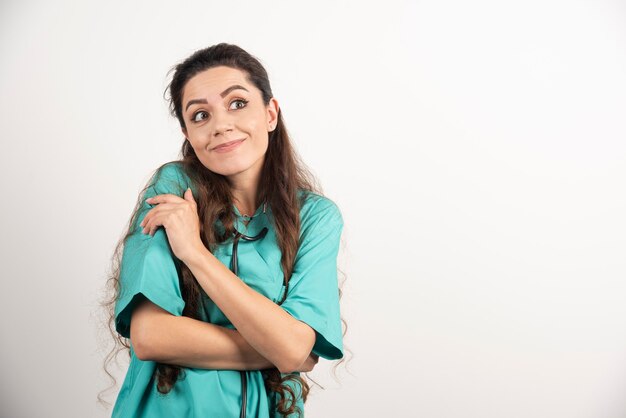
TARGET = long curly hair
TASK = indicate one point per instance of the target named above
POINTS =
(283, 173)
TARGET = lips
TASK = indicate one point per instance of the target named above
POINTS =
(226, 144)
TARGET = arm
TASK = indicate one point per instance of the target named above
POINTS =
(270, 330)
(157, 335)
(148, 270)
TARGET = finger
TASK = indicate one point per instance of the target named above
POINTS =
(152, 213)
(162, 198)
(188, 196)
(153, 229)
(149, 215)
(146, 226)
(151, 224)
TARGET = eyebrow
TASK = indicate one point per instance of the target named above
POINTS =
(223, 94)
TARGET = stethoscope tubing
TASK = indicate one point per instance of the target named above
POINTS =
(235, 269)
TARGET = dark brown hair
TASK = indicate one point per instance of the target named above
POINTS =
(283, 173)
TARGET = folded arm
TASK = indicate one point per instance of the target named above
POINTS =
(157, 335)
(286, 341)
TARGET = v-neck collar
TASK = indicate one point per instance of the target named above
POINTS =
(256, 222)
(261, 208)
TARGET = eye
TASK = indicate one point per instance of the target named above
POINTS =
(200, 113)
(243, 101)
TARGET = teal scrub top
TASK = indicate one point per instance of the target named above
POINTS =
(150, 270)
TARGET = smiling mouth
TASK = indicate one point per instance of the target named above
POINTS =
(227, 144)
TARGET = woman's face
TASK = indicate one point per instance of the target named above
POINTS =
(220, 106)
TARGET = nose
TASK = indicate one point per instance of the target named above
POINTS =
(222, 123)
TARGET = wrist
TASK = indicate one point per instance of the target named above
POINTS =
(196, 254)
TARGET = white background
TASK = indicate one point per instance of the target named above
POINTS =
(476, 150)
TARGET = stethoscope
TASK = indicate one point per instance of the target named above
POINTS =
(234, 269)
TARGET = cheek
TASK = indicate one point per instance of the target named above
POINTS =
(255, 122)
(251, 126)
(258, 128)
(261, 139)
(197, 138)
(197, 147)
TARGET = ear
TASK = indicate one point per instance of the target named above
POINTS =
(272, 114)
(184, 131)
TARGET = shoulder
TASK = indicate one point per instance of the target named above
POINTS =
(170, 178)
(317, 208)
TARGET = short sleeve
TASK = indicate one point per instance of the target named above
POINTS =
(149, 268)
(313, 293)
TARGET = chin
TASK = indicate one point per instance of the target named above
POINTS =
(230, 169)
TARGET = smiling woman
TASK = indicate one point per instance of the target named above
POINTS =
(225, 284)
(227, 124)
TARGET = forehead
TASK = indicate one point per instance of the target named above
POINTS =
(208, 84)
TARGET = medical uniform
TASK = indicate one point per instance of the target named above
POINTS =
(150, 270)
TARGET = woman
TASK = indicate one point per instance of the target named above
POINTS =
(224, 309)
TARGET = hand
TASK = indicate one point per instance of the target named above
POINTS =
(179, 217)
(309, 363)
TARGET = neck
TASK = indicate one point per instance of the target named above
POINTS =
(244, 187)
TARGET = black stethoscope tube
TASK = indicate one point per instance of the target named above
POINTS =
(234, 269)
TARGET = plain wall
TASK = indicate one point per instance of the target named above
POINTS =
(476, 150)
